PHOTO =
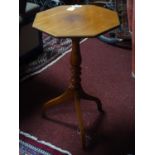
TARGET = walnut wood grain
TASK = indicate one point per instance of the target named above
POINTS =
(76, 21)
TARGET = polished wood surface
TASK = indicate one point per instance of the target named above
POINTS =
(76, 21)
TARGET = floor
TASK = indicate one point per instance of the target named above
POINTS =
(106, 73)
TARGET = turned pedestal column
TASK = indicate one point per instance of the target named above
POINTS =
(74, 90)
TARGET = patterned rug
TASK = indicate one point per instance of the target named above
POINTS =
(30, 145)
(53, 50)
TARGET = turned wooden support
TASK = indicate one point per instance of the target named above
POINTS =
(75, 90)
(75, 84)
(75, 61)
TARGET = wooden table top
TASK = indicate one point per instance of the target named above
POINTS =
(76, 21)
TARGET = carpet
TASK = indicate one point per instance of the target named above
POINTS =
(30, 145)
(106, 74)
(53, 50)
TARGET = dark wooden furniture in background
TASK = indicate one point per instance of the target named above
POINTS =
(30, 40)
(75, 21)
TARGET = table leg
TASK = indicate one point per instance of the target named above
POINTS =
(86, 96)
(75, 84)
(75, 90)
(80, 120)
(68, 94)
(76, 72)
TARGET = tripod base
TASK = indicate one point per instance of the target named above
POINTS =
(75, 95)
(74, 91)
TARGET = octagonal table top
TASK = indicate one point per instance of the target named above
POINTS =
(76, 20)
